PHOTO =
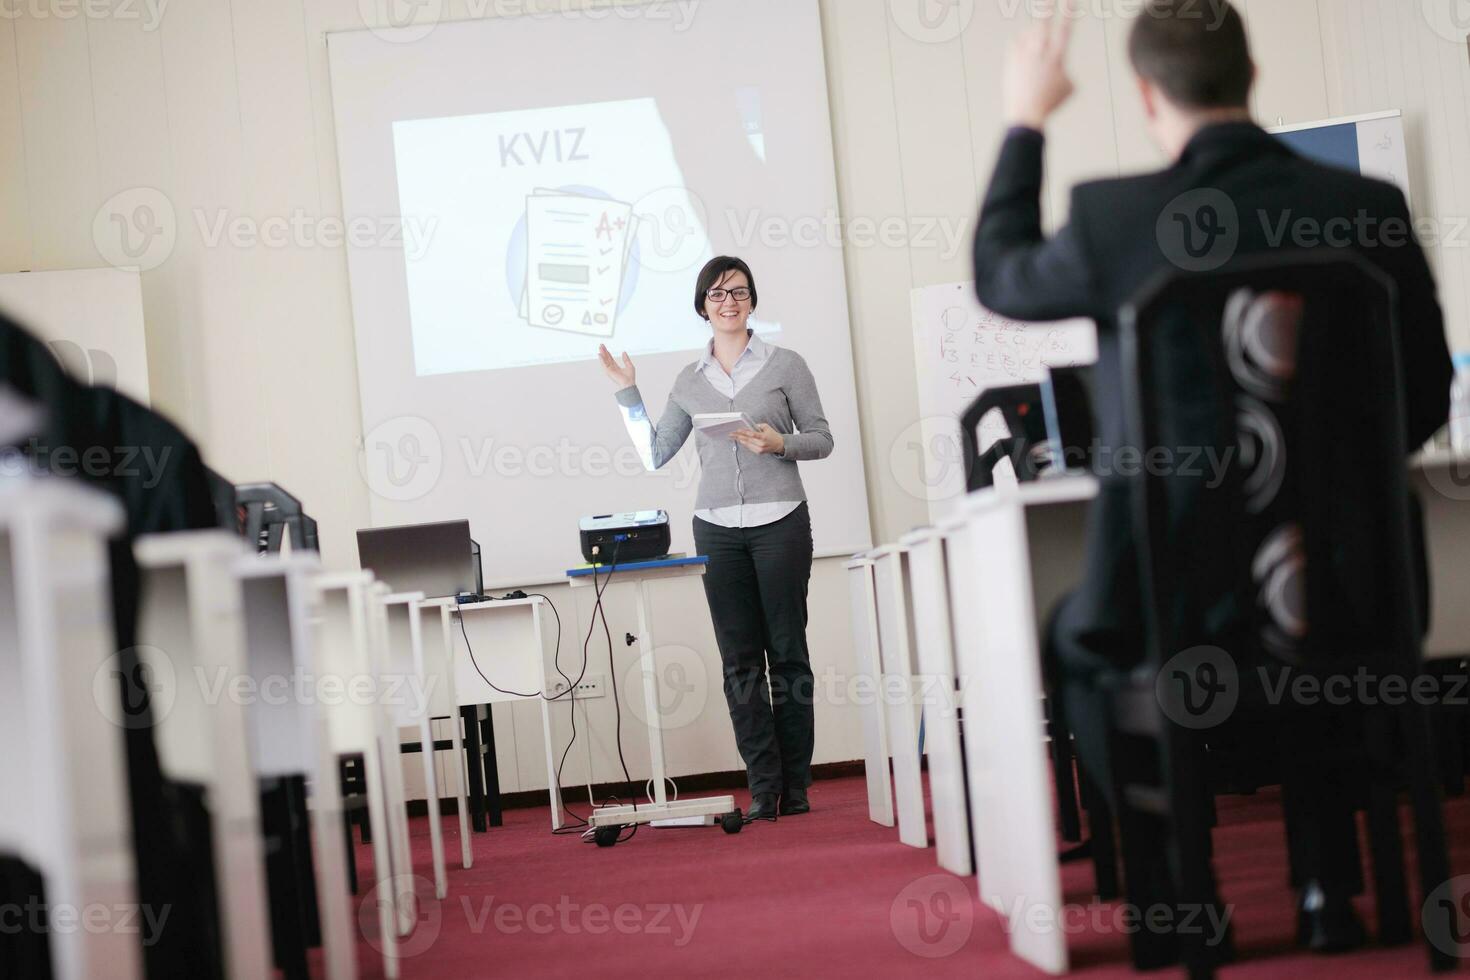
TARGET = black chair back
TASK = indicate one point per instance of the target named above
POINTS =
(1021, 407)
(270, 513)
(1297, 554)
(1287, 368)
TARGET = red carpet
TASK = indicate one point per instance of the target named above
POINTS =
(824, 894)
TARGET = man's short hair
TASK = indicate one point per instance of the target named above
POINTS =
(1196, 51)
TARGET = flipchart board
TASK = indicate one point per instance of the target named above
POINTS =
(92, 319)
(961, 349)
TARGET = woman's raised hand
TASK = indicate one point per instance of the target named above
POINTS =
(621, 373)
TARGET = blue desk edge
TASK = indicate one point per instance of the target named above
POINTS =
(639, 566)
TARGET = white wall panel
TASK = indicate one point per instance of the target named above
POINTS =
(15, 205)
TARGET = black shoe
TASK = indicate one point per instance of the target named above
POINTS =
(794, 801)
(762, 807)
(1327, 923)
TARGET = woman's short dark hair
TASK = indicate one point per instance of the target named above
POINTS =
(1196, 51)
(714, 272)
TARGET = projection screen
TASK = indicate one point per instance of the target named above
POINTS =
(518, 191)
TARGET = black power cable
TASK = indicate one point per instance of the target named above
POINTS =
(599, 612)
(571, 689)
(571, 692)
(476, 664)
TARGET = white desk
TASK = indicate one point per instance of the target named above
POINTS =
(1018, 545)
(898, 689)
(864, 610)
(404, 665)
(193, 614)
(390, 750)
(641, 573)
(341, 651)
(288, 736)
(963, 574)
(64, 804)
(934, 652)
(438, 635)
(505, 661)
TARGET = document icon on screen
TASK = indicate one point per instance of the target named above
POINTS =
(577, 251)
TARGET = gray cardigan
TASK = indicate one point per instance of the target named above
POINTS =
(782, 394)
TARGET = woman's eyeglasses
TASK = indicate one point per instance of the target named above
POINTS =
(740, 294)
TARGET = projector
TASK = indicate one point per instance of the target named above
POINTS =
(638, 536)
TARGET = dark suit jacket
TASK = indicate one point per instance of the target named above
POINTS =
(1114, 245)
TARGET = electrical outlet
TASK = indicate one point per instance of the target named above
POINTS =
(591, 686)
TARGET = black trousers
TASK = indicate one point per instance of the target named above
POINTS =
(756, 584)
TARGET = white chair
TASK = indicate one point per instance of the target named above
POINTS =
(864, 611)
(192, 614)
(404, 669)
(288, 736)
(444, 703)
(64, 805)
(896, 645)
(342, 652)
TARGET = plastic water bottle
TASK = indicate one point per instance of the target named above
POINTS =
(1460, 407)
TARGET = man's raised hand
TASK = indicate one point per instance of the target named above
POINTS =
(1036, 80)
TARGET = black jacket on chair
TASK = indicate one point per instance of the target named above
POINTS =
(1235, 187)
(112, 442)
(155, 472)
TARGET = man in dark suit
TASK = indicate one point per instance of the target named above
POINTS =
(1232, 190)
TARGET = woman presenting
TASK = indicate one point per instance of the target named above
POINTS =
(751, 521)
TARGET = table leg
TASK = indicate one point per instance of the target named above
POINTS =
(647, 648)
(351, 853)
(492, 767)
(283, 879)
(431, 793)
(305, 860)
(474, 767)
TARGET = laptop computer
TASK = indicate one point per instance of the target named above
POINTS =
(435, 559)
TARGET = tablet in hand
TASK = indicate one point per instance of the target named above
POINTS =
(722, 425)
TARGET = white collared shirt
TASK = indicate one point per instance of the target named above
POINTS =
(747, 365)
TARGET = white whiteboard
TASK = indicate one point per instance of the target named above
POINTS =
(961, 349)
(91, 318)
(527, 104)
